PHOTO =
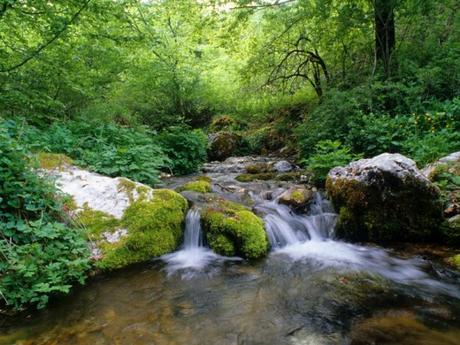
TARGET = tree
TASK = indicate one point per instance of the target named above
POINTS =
(385, 33)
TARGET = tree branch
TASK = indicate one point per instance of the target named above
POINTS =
(49, 42)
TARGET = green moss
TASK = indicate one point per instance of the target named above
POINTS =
(455, 261)
(298, 196)
(96, 222)
(231, 229)
(200, 186)
(258, 168)
(51, 161)
(223, 122)
(205, 178)
(221, 244)
(130, 187)
(451, 231)
(155, 227)
(292, 176)
(255, 177)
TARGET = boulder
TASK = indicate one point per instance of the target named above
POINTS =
(383, 199)
(446, 174)
(232, 229)
(297, 197)
(223, 145)
(126, 222)
(283, 167)
(430, 169)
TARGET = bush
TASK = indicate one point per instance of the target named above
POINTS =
(328, 154)
(185, 148)
(374, 134)
(40, 254)
(432, 146)
(104, 148)
(330, 120)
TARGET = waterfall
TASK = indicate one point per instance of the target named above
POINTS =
(284, 227)
(194, 256)
(192, 236)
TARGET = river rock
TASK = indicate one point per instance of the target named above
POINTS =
(233, 229)
(283, 167)
(297, 197)
(385, 198)
(97, 192)
(126, 222)
(223, 145)
(450, 159)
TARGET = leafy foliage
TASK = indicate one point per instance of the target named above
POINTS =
(328, 154)
(41, 255)
(185, 149)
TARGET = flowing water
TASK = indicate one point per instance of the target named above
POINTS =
(194, 258)
(312, 289)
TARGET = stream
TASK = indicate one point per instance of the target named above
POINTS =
(311, 290)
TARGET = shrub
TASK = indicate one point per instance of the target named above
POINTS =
(432, 146)
(374, 134)
(328, 154)
(40, 254)
(185, 148)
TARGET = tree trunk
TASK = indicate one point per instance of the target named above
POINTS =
(385, 35)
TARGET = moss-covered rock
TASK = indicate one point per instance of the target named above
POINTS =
(223, 122)
(154, 226)
(255, 177)
(223, 145)
(455, 261)
(258, 168)
(200, 186)
(50, 161)
(232, 229)
(297, 197)
(385, 199)
(291, 176)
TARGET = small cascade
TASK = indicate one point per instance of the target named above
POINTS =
(284, 227)
(194, 256)
(192, 235)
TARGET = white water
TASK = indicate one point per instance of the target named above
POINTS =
(193, 257)
(309, 238)
(284, 227)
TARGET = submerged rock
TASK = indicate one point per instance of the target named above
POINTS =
(383, 199)
(223, 145)
(297, 197)
(232, 229)
(126, 222)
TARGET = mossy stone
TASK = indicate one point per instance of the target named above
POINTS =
(223, 145)
(154, 227)
(258, 168)
(255, 177)
(232, 229)
(455, 261)
(200, 186)
(52, 161)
